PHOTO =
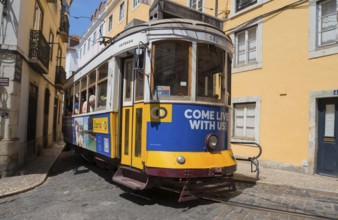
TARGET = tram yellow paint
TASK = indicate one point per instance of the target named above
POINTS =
(113, 134)
(202, 160)
(126, 135)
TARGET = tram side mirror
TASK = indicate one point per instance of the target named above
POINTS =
(139, 58)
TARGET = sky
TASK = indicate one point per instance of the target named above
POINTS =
(81, 8)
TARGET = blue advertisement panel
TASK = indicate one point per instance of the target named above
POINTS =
(93, 133)
(188, 129)
(103, 144)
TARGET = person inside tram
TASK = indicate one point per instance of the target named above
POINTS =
(91, 103)
(76, 104)
(84, 106)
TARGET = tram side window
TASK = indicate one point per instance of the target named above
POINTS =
(83, 102)
(210, 73)
(172, 72)
(91, 92)
(102, 87)
(76, 107)
(139, 84)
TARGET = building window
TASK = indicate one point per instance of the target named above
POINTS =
(38, 17)
(51, 45)
(246, 118)
(323, 28)
(94, 38)
(59, 57)
(136, 3)
(84, 49)
(241, 4)
(196, 4)
(121, 15)
(80, 53)
(110, 23)
(327, 23)
(246, 46)
(89, 42)
(101, 30)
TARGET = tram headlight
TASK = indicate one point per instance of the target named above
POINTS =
(180, 160)
(212, 141)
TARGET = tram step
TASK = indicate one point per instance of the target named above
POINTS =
(131, 178)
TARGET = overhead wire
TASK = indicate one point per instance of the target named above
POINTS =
(292, 5)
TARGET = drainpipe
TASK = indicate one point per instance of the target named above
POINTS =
(127, 8)
(216, 8)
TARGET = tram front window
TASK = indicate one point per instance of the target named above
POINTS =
(210, 73)
(171, 72)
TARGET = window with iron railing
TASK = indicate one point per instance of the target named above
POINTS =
(242, 4)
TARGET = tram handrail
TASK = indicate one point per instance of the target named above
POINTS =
(254, 160)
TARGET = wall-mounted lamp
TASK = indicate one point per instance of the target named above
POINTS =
(106, 40)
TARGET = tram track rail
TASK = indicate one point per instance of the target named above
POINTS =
(266, 209)
(224, 198)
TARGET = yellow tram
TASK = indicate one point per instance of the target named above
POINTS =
(158, 104)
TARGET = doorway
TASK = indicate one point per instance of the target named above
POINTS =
(327, 152)
(132, 117)
(45, 119)
(31, 120)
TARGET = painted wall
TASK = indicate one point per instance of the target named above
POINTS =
(71, 61)
(16, 24)
(284, 83)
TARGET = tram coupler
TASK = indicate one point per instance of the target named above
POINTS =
(195, 189)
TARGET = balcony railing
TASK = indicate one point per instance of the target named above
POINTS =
(38, 52)
(64, 27)
(4, 2)
(60, 77)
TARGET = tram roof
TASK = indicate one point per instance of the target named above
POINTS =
(163, 24)
(172, 23)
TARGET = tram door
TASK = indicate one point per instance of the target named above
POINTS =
(133, 125)
(327, 153)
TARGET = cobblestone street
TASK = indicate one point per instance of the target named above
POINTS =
(78, 190)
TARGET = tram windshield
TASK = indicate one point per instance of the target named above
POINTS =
(173, 71)
(210, 73)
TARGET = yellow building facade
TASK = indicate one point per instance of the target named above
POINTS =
(284, 89)
(33, 36)
(284, 94)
